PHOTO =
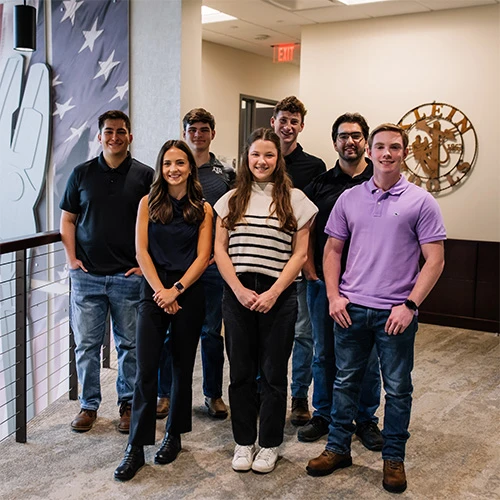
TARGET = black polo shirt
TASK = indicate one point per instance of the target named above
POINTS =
(106, 202)
(303, 167)
(324, 192)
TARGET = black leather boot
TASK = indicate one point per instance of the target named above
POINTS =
(132, 461)
(169, 449)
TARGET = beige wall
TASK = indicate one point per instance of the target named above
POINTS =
(226, 74)
(385, 67)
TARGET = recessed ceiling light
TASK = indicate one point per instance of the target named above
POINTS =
(209, 15)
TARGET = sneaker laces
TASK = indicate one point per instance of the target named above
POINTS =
(267, 454)
(242, 451)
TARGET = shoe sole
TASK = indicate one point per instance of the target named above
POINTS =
(161, 416)
(241, 470)
(395, 489)
(305, 439)
(325, 472)
(123, 430)
(81, 429)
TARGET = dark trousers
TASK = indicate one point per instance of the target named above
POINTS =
(259, 343)
(152, 326)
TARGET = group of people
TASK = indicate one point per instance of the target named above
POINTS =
(295, 260)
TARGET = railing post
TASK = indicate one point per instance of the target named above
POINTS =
(73, 377)
(21, 350)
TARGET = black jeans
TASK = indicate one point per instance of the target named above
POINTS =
(152, 326)
(259, 343)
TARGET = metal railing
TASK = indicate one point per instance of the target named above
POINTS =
(37, 361)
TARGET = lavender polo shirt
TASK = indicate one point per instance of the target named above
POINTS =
(386, 231)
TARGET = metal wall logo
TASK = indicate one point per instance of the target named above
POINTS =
(442, 147)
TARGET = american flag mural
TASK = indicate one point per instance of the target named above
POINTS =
(90, 75)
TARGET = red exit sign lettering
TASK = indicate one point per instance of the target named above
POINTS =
(283, 52)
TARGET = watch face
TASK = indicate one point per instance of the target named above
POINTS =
(179, 286)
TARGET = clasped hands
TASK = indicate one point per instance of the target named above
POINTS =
(166, 298)
(256, 302)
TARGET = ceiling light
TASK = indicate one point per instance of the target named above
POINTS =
(209, 15)
(359, 2)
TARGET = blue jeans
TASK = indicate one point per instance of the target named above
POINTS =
(302, 354)
(212, 343)
(353, 346)
(92, 298)
(324, 361)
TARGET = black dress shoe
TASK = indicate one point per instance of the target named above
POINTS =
(369, 434)
(131, 463)
(314, 429)
(169, 449)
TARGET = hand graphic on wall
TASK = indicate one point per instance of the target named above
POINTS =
(23, 149)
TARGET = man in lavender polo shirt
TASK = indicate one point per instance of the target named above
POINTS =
(390, 222)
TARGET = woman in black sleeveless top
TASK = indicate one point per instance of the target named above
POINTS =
(173, 244)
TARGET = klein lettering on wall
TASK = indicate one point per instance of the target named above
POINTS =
(442, 147)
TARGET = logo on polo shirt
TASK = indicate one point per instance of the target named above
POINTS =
(442, 147)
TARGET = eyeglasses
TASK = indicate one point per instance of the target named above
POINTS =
(355, 136)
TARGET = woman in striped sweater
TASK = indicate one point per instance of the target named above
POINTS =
(261, 245)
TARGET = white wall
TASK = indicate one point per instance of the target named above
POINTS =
(385, 67)
(226, 74)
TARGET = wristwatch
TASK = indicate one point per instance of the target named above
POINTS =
(179, 286)
(411, 305)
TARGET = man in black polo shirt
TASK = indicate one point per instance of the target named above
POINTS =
(99, 209)
(349, 135)
(288, 121)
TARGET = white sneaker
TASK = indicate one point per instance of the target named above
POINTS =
(243, 457)
(265, 461)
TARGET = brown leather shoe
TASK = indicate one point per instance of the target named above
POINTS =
(84, 421)
(300, 411)
(162, 407)
(216, 407)
(327, 462)
(394, 476)
(125, 412)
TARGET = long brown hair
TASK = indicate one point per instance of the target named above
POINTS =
(282, 185)
(159, 204)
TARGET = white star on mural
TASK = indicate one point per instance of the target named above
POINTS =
(62, 109)
(121, 90)
(76, 132)
(56, 81)
(94, 147)
(71, 6)
(90, 37)
(107, 66)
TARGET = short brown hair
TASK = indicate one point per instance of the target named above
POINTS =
(113, 114)
(389, 127)
(292, 105)
(198, 115)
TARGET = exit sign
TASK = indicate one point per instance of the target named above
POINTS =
(283, 52)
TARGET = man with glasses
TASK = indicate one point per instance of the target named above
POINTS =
(288, 121)
(198, 127)
(349, 135)
(390, 223)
